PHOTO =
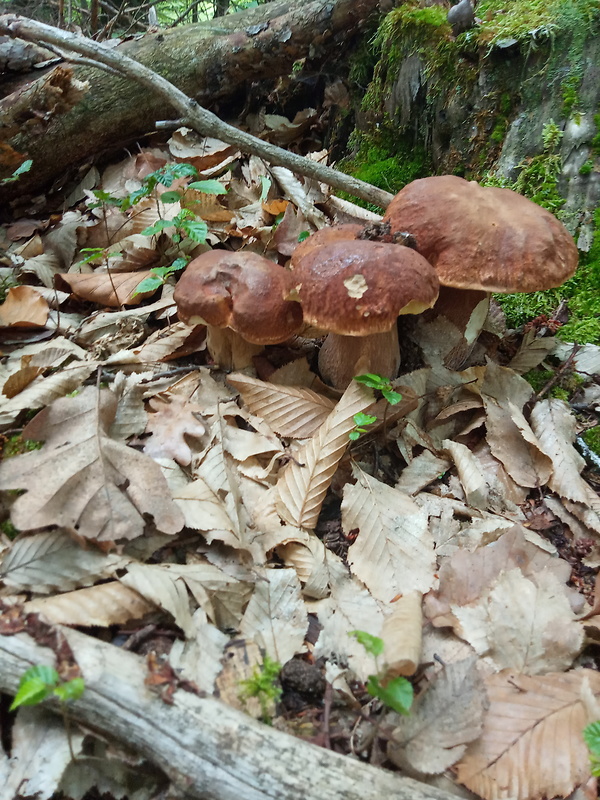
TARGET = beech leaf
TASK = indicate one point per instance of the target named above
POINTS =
(85, 480)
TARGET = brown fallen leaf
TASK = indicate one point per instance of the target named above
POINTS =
(113, 289)
(172, 423)
(443, 721)
(531, 745)
(23, 308)
(107, 604)
(83, 479)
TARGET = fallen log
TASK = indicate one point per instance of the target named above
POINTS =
(206, 748)
(71, 115)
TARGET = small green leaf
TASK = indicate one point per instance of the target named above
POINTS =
(94, 254)
(179, 263)
(25, 167)
(265, 184)
(149, 284)
(391, 396)
(171, 197)
(208, 187)
(371, 380)
(196, 230)
(303, 236)
(364, 419)
(397, 694)
(372, 644)
(35, 685)
(30, 693)
(71, 690)
(354, 435)
(591, 735)
(158, 226)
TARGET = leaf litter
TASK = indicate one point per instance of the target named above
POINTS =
(229, 519)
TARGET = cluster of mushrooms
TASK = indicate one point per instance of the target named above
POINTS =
(445, 243)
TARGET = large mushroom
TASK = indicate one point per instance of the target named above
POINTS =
(356, 290)
(481, 239)
(240, 298)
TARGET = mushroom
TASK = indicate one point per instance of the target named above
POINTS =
(356, 290)
(240, 298)
(481, 239)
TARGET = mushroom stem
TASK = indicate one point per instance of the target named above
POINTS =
(340, 355)
(229, 350)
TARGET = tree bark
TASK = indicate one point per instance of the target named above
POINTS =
(57, 127)
(206, 748)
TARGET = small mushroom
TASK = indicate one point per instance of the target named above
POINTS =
(240, 298)
(356, 290)
(481, 239)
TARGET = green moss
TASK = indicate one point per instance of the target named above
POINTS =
(15, 446)
(385, 163)
(586, 168)
(596, 140)
(264, 686)
(8, 529)
(592, 438)
(538, 378)
(582, 293)
(499, 131)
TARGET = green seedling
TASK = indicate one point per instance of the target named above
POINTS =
(20, 170)
(395, 693)
(159, 275)
(361, 420)
(263, 685)
(40, 682)
(591, 735)
(380, 384)
(303, 236)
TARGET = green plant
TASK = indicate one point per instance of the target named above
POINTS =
(263, 685)
(15, 445)
(40, 682)
(591, 736)
(592, 438)
(361, 420)
(20, 170)
(395, 693)
(587, 167)
(380, 384)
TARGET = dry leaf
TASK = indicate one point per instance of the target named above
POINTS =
(173, 422)
(423, 470)
(276, 618)
(350, 608)
(103, 605)
(532, 351)
(23, 308)
(316, 566)
(289, 410)
(163, 587)
(114, 289)
(523, 624)
(304, 483)
(465, 577)
(402, 635)
(469, 472)
(199, 658)
(531, 745)
(52, 560)
(83, 479)
(393, 552)
(445, 718)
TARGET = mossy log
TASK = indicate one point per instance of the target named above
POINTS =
(58, 123)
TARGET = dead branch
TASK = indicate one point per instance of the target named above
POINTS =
(191, 113)
(206, 748)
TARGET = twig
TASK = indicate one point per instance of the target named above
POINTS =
(195, 116)
(558, 374)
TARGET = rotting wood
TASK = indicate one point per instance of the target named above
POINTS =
(206, 748)
(122, 107)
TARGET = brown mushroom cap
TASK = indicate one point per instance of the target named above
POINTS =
(242, 291)
(484, 238)
(357, 288)
(328, 235)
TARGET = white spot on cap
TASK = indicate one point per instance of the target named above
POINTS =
(356, 286)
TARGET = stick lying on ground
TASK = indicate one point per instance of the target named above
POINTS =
(205, 747)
